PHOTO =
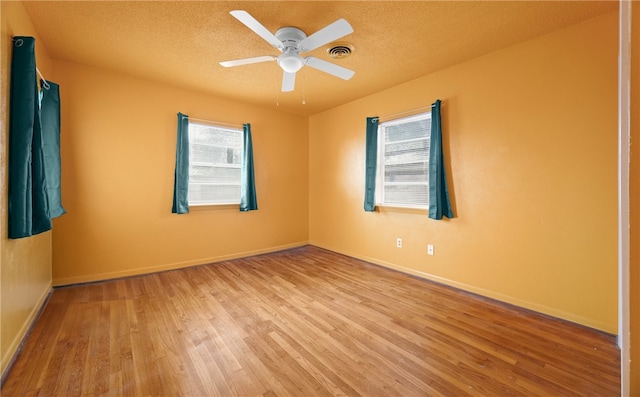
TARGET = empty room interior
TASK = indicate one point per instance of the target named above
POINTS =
(326, 260)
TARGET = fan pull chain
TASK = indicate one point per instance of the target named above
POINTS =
(303, 90)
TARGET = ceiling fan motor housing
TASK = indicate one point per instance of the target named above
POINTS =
(290, 60)
(291, 37)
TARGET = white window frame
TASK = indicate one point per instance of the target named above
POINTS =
(381, 184)
(213, 182)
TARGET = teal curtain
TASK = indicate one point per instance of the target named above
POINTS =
(181, 175)
(50, 117)
(248, 199)
(439, 204)
(28, 203)
(371, 163)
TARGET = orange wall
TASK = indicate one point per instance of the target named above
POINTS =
(118, 143)
(634, 190)
(25, 264)
(530, 134)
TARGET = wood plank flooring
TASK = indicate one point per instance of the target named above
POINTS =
(302, 322)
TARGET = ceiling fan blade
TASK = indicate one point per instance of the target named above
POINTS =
(329, 67)
(288, 81)
(247, 61)
(326, 35)
(257, 27)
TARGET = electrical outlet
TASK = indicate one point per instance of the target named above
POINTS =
(399, 242)
(430, 249)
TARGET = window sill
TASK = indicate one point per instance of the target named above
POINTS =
(401, 209)
(207, 207)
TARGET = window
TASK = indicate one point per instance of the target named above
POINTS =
(403, 162)
(215, 157)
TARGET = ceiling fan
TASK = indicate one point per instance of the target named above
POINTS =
(291, 42)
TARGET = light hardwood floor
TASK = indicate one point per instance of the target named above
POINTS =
(302, 322)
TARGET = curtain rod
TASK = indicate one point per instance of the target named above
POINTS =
(45, 82)
(217, 122)
(405, 113)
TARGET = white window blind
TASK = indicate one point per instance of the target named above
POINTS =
(215, 155)
(403, 171)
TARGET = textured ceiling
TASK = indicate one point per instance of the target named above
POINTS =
(181, 42)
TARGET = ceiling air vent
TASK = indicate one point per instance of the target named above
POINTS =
(339, 50)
